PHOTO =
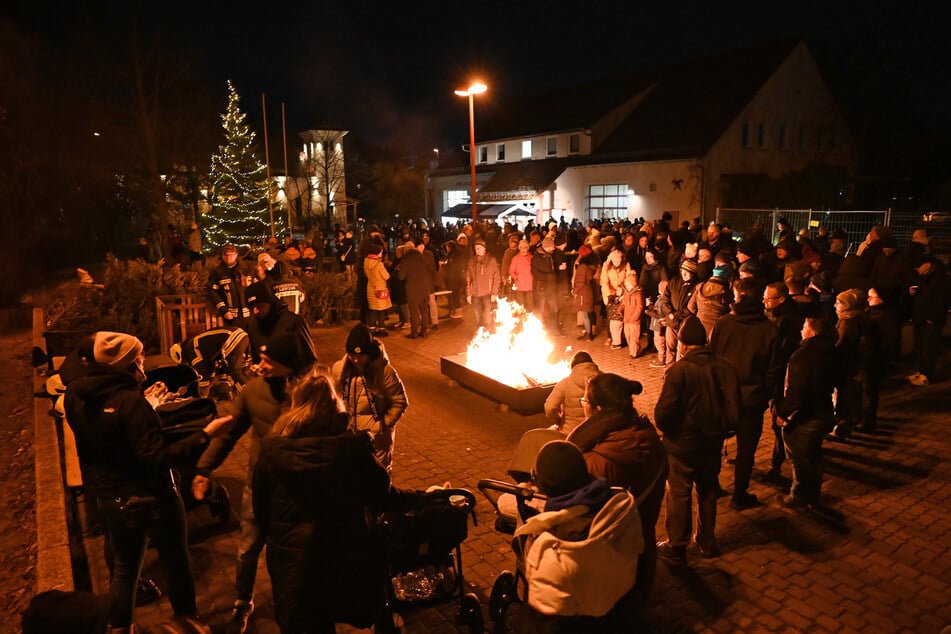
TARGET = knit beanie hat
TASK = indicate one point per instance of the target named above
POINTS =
(750, 267)
(548, 243)
(258, 293)
(688, 265)
(692, 332)
(851, 299)
(116, 349)
(285, 349)
(477, 242)
(360, 340)
(560, 468)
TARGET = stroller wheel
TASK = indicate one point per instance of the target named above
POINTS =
(220, 505)
(503, 594)
(470, 613)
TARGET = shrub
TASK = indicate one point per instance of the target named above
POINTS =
(125, 300)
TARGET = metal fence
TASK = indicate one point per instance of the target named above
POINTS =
(856, 224)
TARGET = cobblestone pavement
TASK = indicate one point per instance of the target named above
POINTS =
(876, 561)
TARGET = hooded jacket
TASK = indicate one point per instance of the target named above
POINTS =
(119, 436)
(580, 561)
(564, 402)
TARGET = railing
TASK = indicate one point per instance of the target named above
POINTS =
(180, 317)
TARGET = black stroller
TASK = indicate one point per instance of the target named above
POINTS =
(422, 550)
(181, 418)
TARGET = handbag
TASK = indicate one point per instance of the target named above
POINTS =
(382, 294)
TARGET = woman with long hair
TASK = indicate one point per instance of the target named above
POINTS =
(622, 446)
(315, 484)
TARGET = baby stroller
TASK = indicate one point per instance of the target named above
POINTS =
(505, 590)
(422, 550)
(181, 418)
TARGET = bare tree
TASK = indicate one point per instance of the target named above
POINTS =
(324, 171)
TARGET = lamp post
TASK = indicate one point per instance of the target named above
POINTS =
(470, 92)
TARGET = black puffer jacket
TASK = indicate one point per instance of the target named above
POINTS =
(312, 495)
(119, 436)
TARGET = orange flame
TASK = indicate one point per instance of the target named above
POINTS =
(518, 353)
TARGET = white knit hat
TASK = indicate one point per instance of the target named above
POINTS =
(116, 349)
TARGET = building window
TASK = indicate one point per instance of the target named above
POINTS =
(484, 154)
(606, 201)
(745, 134)
(761, 136)
(500, 152)
(527, 149)
(574, 144)
(783, 142)
(453, 197)
(552, 146)
(802, 139)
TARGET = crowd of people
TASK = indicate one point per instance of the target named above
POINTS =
(799, 332)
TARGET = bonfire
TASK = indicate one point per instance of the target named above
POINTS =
(518, 352)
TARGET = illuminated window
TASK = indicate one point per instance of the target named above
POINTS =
(500, 152)
(455, 197)
(526, 149)
(574, 144)
(552, 146)
(606, 201)
(484, 154)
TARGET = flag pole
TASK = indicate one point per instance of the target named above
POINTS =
(267, 165)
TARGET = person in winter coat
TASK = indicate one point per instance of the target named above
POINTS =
(457, 259)
(614, 273)
(850, 311)
(750, 342)
(581, 552)
(623, 447)
(584, 280)
(805, 410)
(378, 293)
(931, 294)
(878, 323)
(482, 284)
(520, 270)
(128, 463)
(257, 407)
(679, 291)
(657, 310)
(688, 414)
(315, 483)
(418, 273)
(632, 310)
(563, 406)
(226, 284)
(711, 300)
(371, 390)
(270, 318)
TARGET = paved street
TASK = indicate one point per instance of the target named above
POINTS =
(878, 562)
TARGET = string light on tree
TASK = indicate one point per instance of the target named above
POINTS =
(239, 205)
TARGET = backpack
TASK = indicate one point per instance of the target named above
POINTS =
(723, 384)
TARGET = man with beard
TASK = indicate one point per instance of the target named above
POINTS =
(750, 342)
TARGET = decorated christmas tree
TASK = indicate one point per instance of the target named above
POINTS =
(239, 202)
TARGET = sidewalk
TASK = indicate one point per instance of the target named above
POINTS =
(878, 563)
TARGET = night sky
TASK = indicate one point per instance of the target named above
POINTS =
(386, 71)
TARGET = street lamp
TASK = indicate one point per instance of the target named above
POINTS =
(470, 92)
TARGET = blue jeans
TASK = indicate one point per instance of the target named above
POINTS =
(249, 549)
(483, 311)
(165, 526)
